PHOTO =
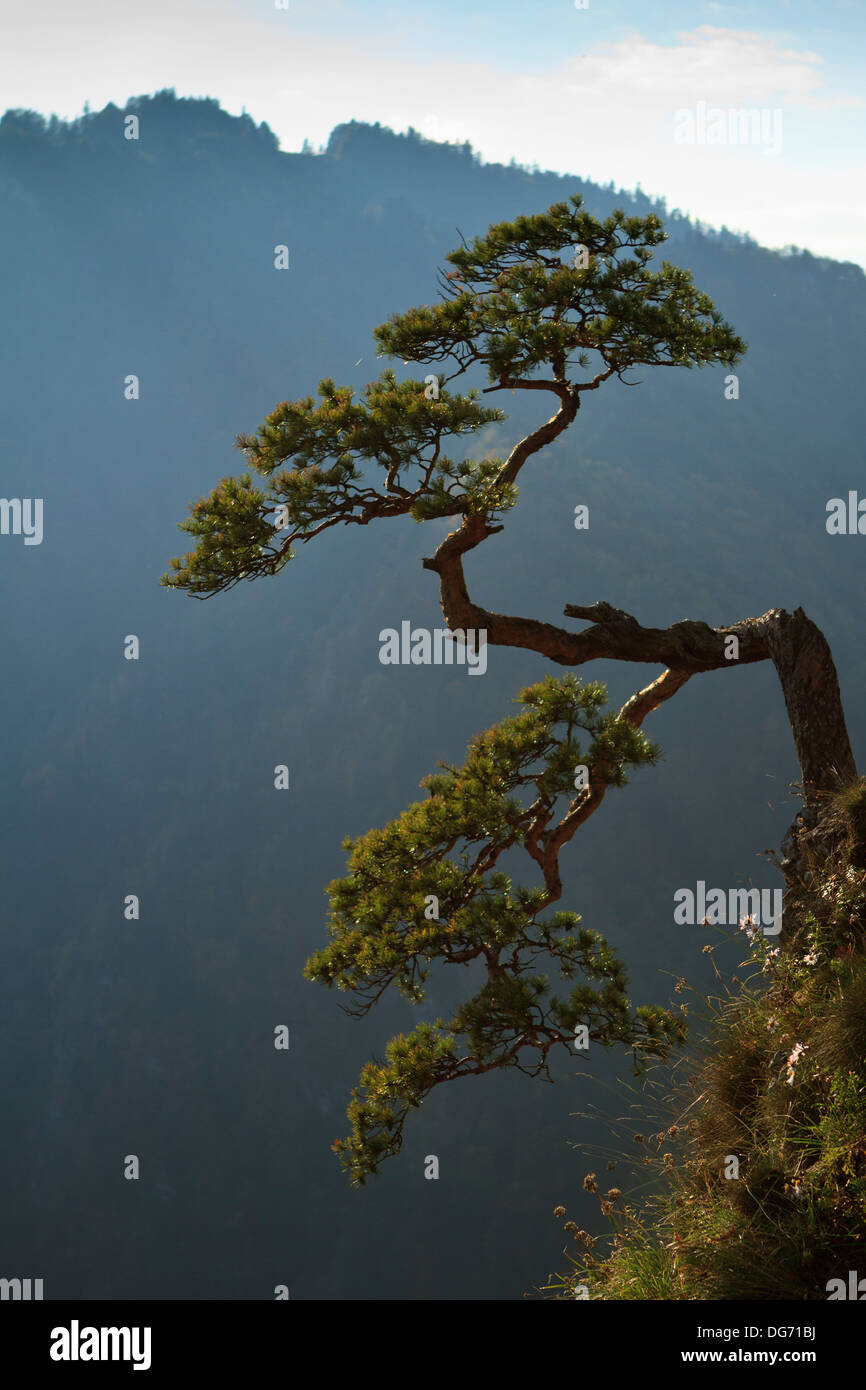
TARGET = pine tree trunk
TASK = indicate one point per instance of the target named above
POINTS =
(801, 655)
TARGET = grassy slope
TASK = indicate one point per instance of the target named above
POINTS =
(762, 1167)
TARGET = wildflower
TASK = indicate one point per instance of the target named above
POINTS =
(708, 950)
(771, 955)
(811, 958)
(796, 1190)
(772, 1024)
(614, 1194)
(680, 986)
(796, 1053)
(559, 1212)
(589, 1183)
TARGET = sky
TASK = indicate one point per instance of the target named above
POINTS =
(751, 116)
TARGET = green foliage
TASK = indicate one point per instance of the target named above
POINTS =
(517, 306)
(425, 889)
(328, 442)
(512, 306)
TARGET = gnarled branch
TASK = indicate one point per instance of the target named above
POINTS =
(795, 645)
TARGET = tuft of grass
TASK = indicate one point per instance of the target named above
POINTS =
(762, 1182)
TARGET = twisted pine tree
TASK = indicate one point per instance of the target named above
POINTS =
(426, 887)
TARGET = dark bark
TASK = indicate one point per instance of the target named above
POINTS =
(794, 644)
(801, 654)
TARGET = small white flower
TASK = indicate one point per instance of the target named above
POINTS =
(796, 1053)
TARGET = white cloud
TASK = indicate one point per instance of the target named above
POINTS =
(605, 114)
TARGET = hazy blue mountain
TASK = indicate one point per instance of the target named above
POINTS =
(154, 777)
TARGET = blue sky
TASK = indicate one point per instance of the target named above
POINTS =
(752, 115)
